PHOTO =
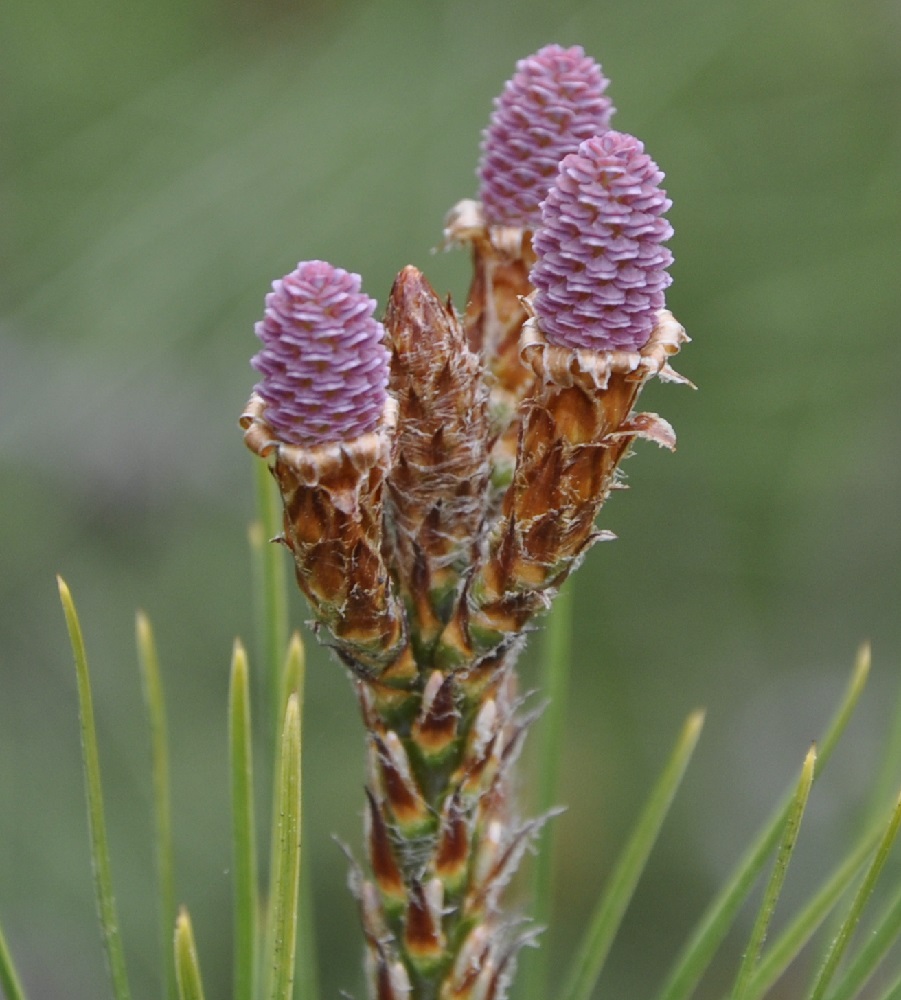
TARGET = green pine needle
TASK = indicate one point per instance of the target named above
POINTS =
(810, 918)
(271, 588)
(697, 954)
(291, 684)
(154, 702)
(777, 879)
(10, 983)
(307, 977)
(292, 674)
(243, 826)
(283, 901)
(894, 990)
(855, 910)
(884, 784)
(613, 903)
(306, 985)
(187, 967)
(876, 946)
(100, 860)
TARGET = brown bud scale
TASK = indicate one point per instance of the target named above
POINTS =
(437, 484)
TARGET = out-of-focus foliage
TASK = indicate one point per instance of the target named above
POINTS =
(164, 161)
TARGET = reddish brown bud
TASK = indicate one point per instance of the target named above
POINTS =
(479, 764)
(502, 258)
(436, 728)
(375, 928)
(385, 869)
(404, 798)
(452, 853)
(423, 937)
(437, 485)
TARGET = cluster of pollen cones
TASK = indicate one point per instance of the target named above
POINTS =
(426, 547)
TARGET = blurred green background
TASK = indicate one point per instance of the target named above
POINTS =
(163, 161)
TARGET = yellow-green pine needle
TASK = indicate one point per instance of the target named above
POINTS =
(859, 676)
(187, 967)
(271, 588)
(291, 682)
(862, 896)
(10, 984)
(885, 783)
(307, 975)
(709, 933)
(307, 986)
(894, 990)
(283, 903)
(777, 878)
(243, 826)
(883, 935)
(810, 918)
(613, 903)
(155, 705)
(100, 860)
(291, 677)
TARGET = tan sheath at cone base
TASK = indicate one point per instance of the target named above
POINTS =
(333, 496)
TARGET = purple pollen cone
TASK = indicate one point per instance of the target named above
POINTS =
(324, 367)
(553, 102)
(601, 269)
